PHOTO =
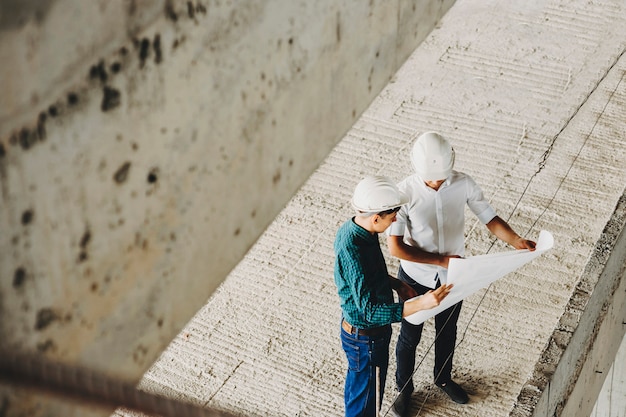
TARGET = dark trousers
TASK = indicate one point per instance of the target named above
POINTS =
(410, 335)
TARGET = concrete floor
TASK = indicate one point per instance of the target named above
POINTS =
(531, 95)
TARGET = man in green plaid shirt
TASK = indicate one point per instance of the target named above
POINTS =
(365, 290)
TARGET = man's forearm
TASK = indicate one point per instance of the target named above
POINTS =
(401, 250)
(403, 289)
(504, 232)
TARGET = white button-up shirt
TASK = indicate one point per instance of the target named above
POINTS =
(434, 221)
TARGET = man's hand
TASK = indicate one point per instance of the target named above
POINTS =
(503, 231)
(405, 291)
(521, 243)
(432, 298)
(427, 301)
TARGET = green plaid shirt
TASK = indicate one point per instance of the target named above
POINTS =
(362, 279)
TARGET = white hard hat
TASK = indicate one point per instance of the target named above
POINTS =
(432, 157)
(374, 194)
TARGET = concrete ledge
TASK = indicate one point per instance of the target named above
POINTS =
(571, 370)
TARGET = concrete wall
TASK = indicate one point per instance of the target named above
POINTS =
(612, 398)
(531, 95)
(145, 145)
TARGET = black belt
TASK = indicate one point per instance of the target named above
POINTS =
(371, 332)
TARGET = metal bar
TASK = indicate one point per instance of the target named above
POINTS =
(91, 387)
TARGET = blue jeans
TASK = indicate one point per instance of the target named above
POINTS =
(364, 355)
(410, 335)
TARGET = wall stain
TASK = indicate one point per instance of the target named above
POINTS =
(72, 99)
(140, 354)
(98, 72)
(27, 217)
(27, 137)
(153, 175)
(276, 177)
(338, 29)
(178, 41)
(84, 242)
(156, 45)
(141, 242)
(121, 174)
(191, 11)
(144, 51)
(170, 13)
(116, 67)
(3, 152)
(19, 277)
(111, 98)
(45, 317)
(23, 138)
(41, 126)
(47, 346)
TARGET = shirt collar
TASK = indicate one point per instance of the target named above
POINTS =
(422, 184)
(361, 232)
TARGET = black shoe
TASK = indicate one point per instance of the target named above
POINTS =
(402, 404)
(454, 391)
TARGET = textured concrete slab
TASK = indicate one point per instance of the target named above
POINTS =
(532, 97)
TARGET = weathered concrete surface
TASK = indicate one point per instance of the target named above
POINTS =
(532, 97)
(612, 398)
(48, 45)
(571, 370)
(603, 325)
(145, 145)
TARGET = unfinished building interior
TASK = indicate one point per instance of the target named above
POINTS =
(172, 175)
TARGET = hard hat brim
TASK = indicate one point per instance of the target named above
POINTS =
(403, 199)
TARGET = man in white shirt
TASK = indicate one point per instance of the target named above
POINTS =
(428, 232)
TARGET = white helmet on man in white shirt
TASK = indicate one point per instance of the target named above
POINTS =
(432, 157)
(374, 194)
